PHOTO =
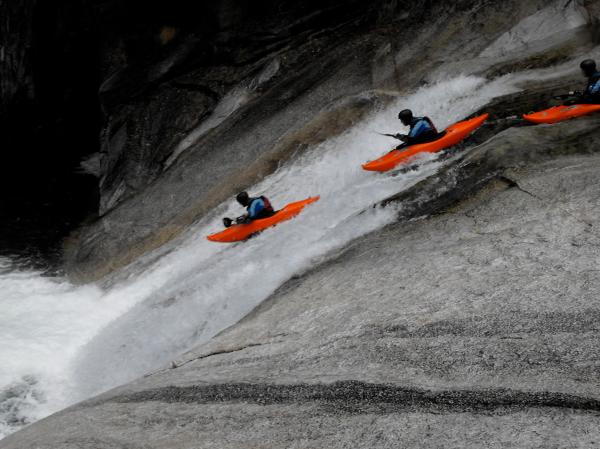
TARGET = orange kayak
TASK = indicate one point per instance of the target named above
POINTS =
(240, 232)
(560, 113)
(454, 134)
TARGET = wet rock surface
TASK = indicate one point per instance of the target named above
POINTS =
(471, 321)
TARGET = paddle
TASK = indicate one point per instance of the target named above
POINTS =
(569, 95)
(394, 136)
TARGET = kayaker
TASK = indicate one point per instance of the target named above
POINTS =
(591, 94)
(259, 207)
(422, 129)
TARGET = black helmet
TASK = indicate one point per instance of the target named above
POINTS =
(588, 66)
(406, 116)
(243, 198)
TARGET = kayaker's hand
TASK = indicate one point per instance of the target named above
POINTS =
(227, 222)
(401, 137)
(242, 219)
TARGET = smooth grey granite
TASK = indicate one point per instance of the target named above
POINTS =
(476, 325)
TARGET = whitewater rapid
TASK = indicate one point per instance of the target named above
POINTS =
(62, 343)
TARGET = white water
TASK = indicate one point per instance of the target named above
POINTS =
(62, 343)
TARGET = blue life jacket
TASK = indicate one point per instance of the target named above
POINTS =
(420, 126)
(259, 208)
(593, 87)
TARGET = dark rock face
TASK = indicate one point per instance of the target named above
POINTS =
(16, 78)
(141, 76)
(49, 120)
(228, 87)
(185, 64)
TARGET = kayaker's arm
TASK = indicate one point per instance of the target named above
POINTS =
(257, 206)
(228, 222)
(410, 140)
(395, 136)
(243, 219)
(422, 130)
